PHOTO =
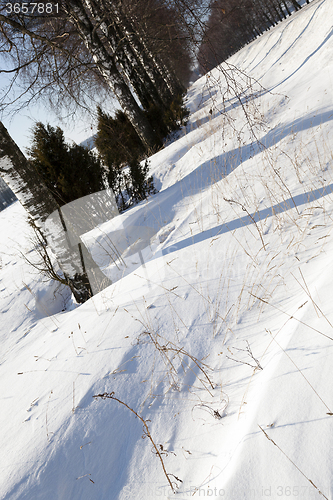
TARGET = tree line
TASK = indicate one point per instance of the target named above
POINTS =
(137, 50)
(234, 23)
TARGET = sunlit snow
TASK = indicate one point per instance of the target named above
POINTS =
(222, 339)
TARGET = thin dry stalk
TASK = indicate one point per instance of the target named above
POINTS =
(300, 371)
(307, 291)
(293, 317)
(181, 353)
(44, 264)
(146, 433)
(72, 337)
(201, 295)
(299, 470)
(46, 419)
(249, 352)
(73, 409)
(249, 215)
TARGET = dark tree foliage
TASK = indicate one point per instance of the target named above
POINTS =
(168, 120)
(116, 140)
(165, 32)
(142, 185)
(69, 171)
(119, 147)
(84, 174)
(228, 29)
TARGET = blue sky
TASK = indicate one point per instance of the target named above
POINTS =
(19, 124)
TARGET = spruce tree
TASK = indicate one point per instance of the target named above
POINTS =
(120, 147)
(116, 140)
(22, 177)
(142, 186)
(69, 171)
(49, 156)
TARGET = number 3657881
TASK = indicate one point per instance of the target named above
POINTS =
(32, 8)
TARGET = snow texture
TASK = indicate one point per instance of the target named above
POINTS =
(221, 337)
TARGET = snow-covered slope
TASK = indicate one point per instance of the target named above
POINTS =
(222, 341)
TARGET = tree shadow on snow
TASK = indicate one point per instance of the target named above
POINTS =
(222, 165)
(285, 205)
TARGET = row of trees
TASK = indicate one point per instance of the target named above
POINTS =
(141, 53)
(234, 23)
(69, 52)
(57, 174)
(137, 50)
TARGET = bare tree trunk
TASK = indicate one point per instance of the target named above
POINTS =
(271, 21)
(166, 82)
(272, 8)
(281, 10)
(106, 64)
(297, 5)
(135, 72)
(286, 7)
(22, 178)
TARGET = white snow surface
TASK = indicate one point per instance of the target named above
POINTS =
(225, 334)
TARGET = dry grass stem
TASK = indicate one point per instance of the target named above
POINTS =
(299, 470)
(146, 433)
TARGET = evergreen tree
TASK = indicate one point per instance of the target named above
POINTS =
(25, 182)
(84, 173)
(69, 172)
(116, 140)
(119, 147)
(142, 186)
(49, 155)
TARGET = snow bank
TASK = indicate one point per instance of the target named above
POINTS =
(222, 340)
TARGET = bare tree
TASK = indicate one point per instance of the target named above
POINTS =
(86, 44)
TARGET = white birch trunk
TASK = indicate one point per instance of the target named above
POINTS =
(22, 178)
(136, 73)
(107, 67)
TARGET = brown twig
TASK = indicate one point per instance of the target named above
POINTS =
(252, 218)
(111, 395)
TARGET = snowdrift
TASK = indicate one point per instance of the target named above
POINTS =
(221, 338)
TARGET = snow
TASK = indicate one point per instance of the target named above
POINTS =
(235, 290)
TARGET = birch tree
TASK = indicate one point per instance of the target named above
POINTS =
(80, 45)
(21, 177)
